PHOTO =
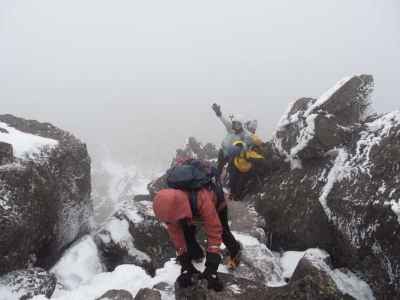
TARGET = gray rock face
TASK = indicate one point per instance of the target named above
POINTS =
(344, 197)
(45, 199)
(116, 295)
(6, 153)
(148, 294)
(311, 127)
(25, 284)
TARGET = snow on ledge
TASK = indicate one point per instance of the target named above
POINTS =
(328, 94)
(24, 143)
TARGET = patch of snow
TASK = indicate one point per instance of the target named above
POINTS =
(7, 294)
(79, 264)
(289, 261)
(306, 135)
(348, 283)
(235, 289)
(119, 233)
(127, 277)
(256, 255)
(328, 94)
(335, 174)
(24, 143)
(396, 208)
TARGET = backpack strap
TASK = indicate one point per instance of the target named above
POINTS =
(193, 202)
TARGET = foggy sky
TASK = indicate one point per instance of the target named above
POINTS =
(138, 77)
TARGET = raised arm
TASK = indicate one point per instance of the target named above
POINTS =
(227, 123)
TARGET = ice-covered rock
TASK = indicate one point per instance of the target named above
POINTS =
(45, 200)
(344, 199)
(133, 235)
(311, 127)
(25, 284)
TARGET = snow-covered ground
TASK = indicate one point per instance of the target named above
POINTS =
(23, 143)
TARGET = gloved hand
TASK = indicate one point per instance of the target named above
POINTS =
(217, 109)
(210, 273)
(187, 271)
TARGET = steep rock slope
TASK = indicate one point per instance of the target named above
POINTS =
(338, 187)
(44, 193)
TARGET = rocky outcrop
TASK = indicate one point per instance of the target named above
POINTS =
(116, 295)
(44, 196)
(339, 189)
(6, 153)
(134, 236)
(311, 127)
(148, 294)
(25, 284)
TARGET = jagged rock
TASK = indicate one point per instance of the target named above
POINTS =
(312, 127)
(345, 200)
(148, 294)
(116, 295)
(44, 197)
(316, 264)
(6, 153)
(134, 236)
(157, 185)
(25, 284)
(194, 149)
(235, 288)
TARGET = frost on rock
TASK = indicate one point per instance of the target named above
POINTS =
(24, 143)
(115, 237)
(396, 209)
(346, 281)
(311, 127)
(259, 263)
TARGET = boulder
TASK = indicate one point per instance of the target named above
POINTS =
(45, 200)
(25, 284)
(311, 127)
(148, 294)
(6, 153)
(134, 236)
(116, 295)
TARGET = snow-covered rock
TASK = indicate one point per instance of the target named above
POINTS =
(311, 127)
(133, 235)
(45, 200)
(344, 199)
(25, 284)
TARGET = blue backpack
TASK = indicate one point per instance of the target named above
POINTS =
(192, 176)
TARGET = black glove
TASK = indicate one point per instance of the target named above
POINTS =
(210, 273)
(187, 271)
(217, 109)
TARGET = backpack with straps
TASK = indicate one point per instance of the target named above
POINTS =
(191, 176)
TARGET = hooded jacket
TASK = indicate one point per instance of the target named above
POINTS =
(232, 137)
(171, 205)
